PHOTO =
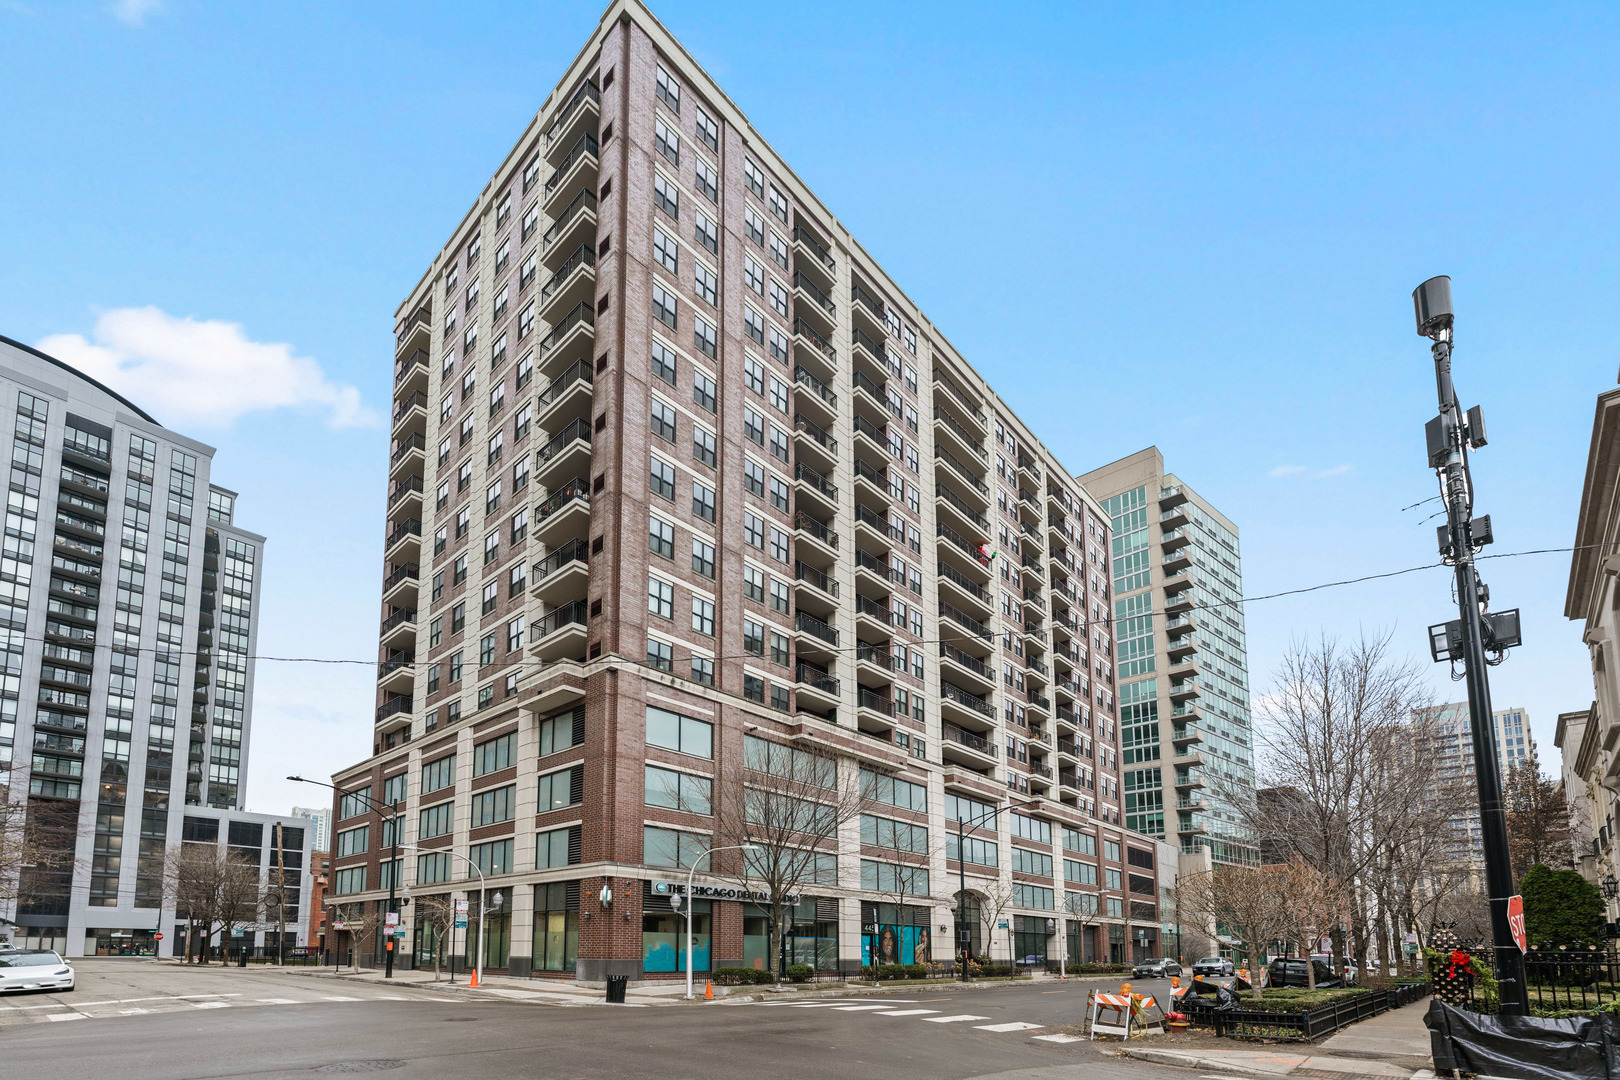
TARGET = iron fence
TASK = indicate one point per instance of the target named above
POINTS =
(1302, 1024)
(1558, 980)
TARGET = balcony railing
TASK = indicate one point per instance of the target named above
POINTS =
(821, 390)
(405, 367)
(959, 394)
(881, 612)
(587, 92)
(576, 430)
(585, 200)
(815, 528)
(815, 627)
(400, 617)
(957, 540)
(810, 575)
(404, 487)
(871, 303)
(583, 312)
(407, 572)
(822, 344)
(419, 317)
(396, 660)
(955, 500)
(876, 476)
(879, 655)
(1039, 700)
(577, 488)
(573, 551)
(801, 471)
(817, 678)
(879, 522)
(866, 699)
(964, 737)
(417, 400)
(963, 581)
(961, 432)
(879, 392)
(585, 147)
(875, 348)
(578, 371)
(814, 430)
(878, 565)
(878, 434)
(805, 237)
(408, 527)
(584, 255)
(570, 614)
(393, 705)
(962, 618)
(413, 441)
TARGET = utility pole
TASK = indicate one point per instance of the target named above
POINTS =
(1468, 638)
(281, 899)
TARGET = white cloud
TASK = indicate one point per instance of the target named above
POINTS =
(134, 12)
(207, 373)
(1285, 471)
(1337, 470)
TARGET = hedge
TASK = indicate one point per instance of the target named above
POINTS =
(741, 976)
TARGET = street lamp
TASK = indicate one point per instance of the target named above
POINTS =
(1611, 888)
(1450, 436)
(688, 897)
(478, 960)
(961, 877)
(393, 865)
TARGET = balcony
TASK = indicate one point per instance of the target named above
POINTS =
(811, 439)
(871, 353)
(571, 284)
(403, 541)
(1038, 701)
(1171, 497)
(1183, 736)
(401, 583)
(574, 173)
(406, 494)
(971, 748)
(874, 480)
(965, 704)
(1186, 672)
(1180, 648)
(562, 575)
(1174, 562)
(408, 455)
(1179, 626)
(815, 579)
(965, 439)
(1171, 539)
(868, 307)
(393, 705)
(966, 554)
(823, 492)
(810, 300)
(559, 634)
(581, 113)
(397, 671)
(1179, 602)
(811, 346)
(568, 451)
(399, 629)
(567, 398)
(815, 686)
(970, 670)
(811, 254)
(410, 416)
(963, 470)
(871, 398)
(876, 529)
(875, 665)
(806, 623)
(564, 513)
(876, 614)
(575, 224)
(815, 536)
(411, 373)
(1173, 518)
(815, 394)
(416, 329)
(968, 586)
(570, 340)
(873, 437)
(1186, 760)
(962, 399)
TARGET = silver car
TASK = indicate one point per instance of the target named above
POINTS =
(34, 969)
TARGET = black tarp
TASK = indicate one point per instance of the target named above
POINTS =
(1523, 1047)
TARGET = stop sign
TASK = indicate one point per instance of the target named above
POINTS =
(158, 935)
(1515, 914)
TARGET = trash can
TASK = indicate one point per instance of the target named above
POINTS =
(615, 988)
(241, 956)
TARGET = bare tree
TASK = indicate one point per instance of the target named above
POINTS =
(903, 852)
(1085, 909)
(359, 921)
(435, 915)
(1243, 899)
(1309, 904)
(214, 890)
(1537, 819)
(787, 805)
(996, 900)
(37, 844)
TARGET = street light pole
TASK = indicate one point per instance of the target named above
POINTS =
(687, 899)
(393, 866)
(478, 960)
(961, 878)
(1449, 437)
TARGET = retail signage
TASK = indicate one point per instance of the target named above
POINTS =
(391, 918)
(461, 907)
(339, 924)
(717, 892)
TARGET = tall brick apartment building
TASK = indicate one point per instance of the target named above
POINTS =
(675, 465)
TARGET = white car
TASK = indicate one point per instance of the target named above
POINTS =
(34, 969)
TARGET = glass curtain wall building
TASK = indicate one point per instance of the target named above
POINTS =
(1186, 742)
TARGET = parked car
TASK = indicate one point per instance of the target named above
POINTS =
(1345, 967)
(1214, 966)
(34, 969)
(1162, 968)
(1291, 972)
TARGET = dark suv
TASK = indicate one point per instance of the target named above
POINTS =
(1292, 973)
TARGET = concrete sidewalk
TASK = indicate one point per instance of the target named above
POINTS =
(1394, 1044)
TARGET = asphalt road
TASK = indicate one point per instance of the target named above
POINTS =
(954, 1034)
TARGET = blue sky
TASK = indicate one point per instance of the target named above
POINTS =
(1196, 226)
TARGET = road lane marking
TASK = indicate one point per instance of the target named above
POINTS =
(160, 997)
(906, 1012)
(1058, 1038)
(67, 1016)
(953, 1019)
(50, 1005)
(1054, 991)
(334, 997)
(133, 1012)
(389, 998)
(1016, 1025)
(858, 1008)
(808, 1004)
(210, 1004)
(279, 1001)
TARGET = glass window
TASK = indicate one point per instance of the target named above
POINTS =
(678, 791)
(494, 754)
(685, 734)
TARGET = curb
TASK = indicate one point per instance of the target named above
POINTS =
(1188, 1061)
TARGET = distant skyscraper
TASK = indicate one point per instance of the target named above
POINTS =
(128, 603)
(320, 818)
(1181, 660)
(1452, 745)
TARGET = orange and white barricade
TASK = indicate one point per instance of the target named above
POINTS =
(1116, 1014)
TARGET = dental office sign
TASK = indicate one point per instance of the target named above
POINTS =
(717, 892)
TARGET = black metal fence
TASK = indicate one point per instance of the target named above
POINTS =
(1303, 1024)
(1570, 980)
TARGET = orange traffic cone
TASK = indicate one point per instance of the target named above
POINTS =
(708, 990)
(473, 983)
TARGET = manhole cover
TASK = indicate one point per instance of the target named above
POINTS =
(378, 1065)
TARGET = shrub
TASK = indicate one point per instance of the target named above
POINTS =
(1561, 908)
(740, 976)
(800, 972)
(897, 971)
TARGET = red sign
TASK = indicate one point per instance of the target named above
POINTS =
(1515, 915)
(158, 935)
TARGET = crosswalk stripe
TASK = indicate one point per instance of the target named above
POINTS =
(334, 997)
(210, 1005)
(67, 1016)
(1058, 1038)
(812, 1004)
(858, 1008)
(953, 1019)
(277, 1001)
(1016, 1025)
(907, 1012)
(390, 998)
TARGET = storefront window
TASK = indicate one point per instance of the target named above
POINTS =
(1116, 944)
(809, 940)
(556, 928)
(663, 939)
